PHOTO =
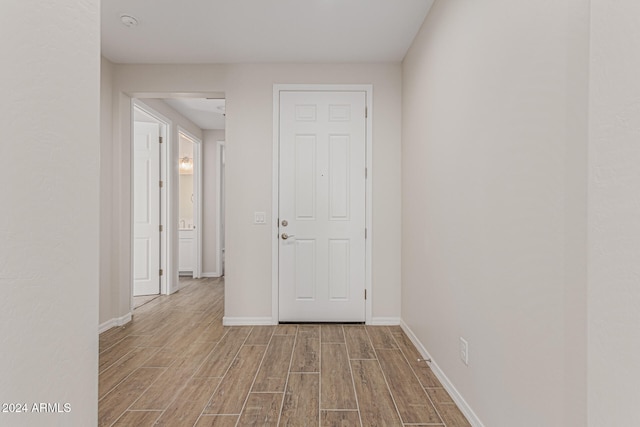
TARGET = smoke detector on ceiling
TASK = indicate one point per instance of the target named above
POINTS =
(128, 21)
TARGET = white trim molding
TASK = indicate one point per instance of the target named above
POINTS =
(220, 150)
(247, 321)
(275, 183)
(446, 383)
(209, 275)
(120, 321)
(384, 321)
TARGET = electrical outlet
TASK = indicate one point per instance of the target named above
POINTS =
(464, 351)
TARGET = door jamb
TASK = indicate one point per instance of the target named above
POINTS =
(219, 199)
(165, 248)
(275, 183)
(197, 190)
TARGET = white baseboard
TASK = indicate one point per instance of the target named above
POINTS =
(446, 383)
(114, 322)
(214, 274)
(247, 321)
(384, 321)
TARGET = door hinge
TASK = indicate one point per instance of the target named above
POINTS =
(160, 140)
(366, 112)
(366, 173)
(161, 184)
(365, 233)
(161, 228)
(161, 272)
(365, 294)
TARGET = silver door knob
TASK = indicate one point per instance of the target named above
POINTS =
(285, 236)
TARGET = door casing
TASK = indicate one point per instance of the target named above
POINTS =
(275, 256)
(220, 206)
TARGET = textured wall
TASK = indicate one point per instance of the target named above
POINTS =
(49, 224)
(493, 183)
(614, 214)
(107, 290)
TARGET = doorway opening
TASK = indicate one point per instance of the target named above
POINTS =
(186, 199)
(189, 205)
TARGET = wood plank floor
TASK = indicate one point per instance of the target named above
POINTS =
(175, 365)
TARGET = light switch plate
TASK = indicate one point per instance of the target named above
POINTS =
(259, 218)
(464, 351)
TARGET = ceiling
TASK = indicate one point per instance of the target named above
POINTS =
(251, 31)
(205, 113)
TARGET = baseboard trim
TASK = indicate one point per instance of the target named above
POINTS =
(446, 383)
(384, 321)
(207, 275)
(114, 322)
(247, 321)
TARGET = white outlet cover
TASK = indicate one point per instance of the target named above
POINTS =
(259, 218)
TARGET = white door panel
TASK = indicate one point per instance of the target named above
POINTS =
(322, 198)
(146, 209)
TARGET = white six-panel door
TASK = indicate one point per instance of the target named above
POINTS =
(322, 206)
(146, 209)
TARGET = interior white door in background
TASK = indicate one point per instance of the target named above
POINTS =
(146, 209)
(322, 206)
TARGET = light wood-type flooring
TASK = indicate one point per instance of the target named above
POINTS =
(176, 365)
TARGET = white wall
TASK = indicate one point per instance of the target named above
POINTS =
(49, 223)
(493, 220)
(249, 92)
(210, 202)
(575, 215)
(107, 290)
(614, 214)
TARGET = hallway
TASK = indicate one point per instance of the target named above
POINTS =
(176, 365)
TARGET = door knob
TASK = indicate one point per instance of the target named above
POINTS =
(285, 236)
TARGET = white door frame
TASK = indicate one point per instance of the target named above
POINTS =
(165, 247)
(275, 255)
(197, 199)
(219, 207)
